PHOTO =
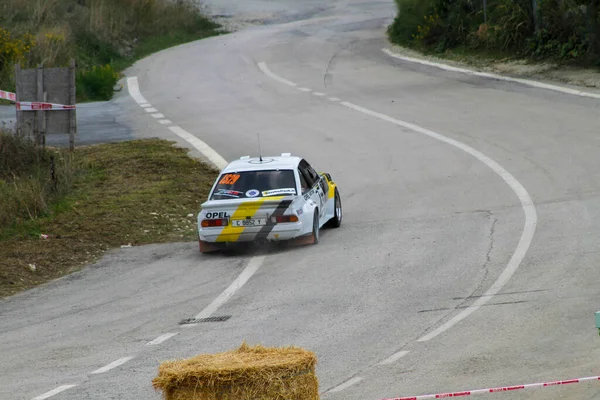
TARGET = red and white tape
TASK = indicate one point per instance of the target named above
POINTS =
(498, 389)
(32, 105)
(8, 95)
(37, 106)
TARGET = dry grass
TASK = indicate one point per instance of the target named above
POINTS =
(137, 192)
(248, 373)
(30, 178)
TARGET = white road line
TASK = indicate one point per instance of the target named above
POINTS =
(318, 94)
(241, 280)
(346, 385)
(165, 122)
(134, 90)
(158, 115)
(527, 82)
(334, 99)
(304, 89)
(145, 105)
(515, 185)
(263, 67)
(202, 147)
(162, 338)
(220, 162)
(151, 110)
(112, 365)
(53, 392)
(394, 357)
(206, 150)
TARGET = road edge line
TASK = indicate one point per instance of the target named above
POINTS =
(490, 75)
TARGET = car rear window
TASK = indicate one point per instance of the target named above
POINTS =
(252, 184)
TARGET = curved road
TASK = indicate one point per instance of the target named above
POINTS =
(435, 170)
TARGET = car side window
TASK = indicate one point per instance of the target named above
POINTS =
(309, 173)
(304, 186)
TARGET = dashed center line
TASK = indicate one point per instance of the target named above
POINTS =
(263, 67)
(334, 99)
(162, 338)
(318, 94)
(158, 115)
(241, 280)
(165, 122)
(346, 385)
(394, 357)
(304, 89)
(112, 365)
(151, 110)
(53, 392)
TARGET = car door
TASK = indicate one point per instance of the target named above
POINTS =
(316, 192)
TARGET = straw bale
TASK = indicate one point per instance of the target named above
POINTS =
(247, 373)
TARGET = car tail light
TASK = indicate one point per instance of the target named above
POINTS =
(284, 218)
(206, 223)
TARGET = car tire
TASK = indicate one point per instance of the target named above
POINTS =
(336, 221)
(315, 231)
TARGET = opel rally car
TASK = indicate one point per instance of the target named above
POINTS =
(268, 199)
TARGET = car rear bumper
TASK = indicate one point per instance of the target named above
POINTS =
(270, 233)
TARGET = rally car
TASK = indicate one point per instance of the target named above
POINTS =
(268, 199)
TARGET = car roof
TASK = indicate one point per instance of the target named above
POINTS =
(247, 163)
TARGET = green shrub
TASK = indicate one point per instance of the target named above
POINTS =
(566, 29)
(410, 16)
(96, 83)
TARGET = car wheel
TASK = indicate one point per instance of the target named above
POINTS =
(336, 221)
(315, 232)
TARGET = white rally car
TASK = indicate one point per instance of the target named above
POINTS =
(268, 199)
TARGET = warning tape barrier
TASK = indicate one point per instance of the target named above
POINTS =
(37, 106)
(496, 390)
(8, 95)
(33, 105)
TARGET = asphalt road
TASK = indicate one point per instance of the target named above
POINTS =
(428, 228)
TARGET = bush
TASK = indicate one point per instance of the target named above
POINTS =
(411, 14)
(96, 83)
(567, 29)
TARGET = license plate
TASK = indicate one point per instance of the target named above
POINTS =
(249, 222)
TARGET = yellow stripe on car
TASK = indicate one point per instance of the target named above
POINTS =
(244, 210)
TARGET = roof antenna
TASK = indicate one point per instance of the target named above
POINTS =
(259, 150)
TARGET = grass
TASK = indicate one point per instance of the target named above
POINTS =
(30, 179)
(136, 192)
(104, 36)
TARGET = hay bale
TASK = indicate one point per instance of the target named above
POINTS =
(248, 373)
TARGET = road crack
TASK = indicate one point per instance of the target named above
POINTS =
(486, 265)
(488, 259)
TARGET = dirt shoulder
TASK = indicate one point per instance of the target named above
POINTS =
(124, 194)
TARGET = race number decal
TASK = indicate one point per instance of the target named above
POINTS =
(229, 179)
